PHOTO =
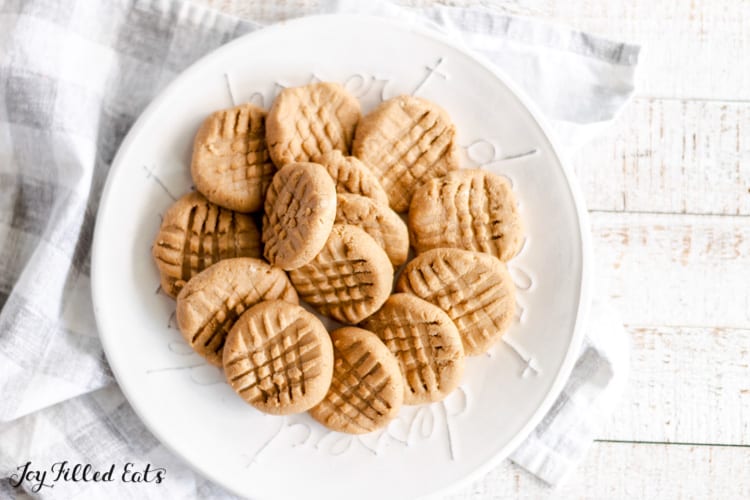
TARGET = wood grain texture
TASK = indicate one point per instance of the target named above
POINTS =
(675, 270)
(615, 471)
(672, 156)
(687, 385)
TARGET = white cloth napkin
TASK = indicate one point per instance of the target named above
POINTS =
(74, 75)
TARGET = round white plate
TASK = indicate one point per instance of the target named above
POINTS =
(429, 448)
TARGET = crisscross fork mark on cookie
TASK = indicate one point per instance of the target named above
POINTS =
(412, 344)
(426, 345)
(278, 369)
(285, 218)
(352, 176)
(212, 301)
(456, 299)
(231, 164)
(407, 140)
(311, 120)
(468, 209)
(299, 211)
(378, 220)
(234, 303)
(349, 279)
(279, 358)
(358, 390)
(476, 214)
(241, 137)
(465, 217)
(336, 286)
(415, 153)
(221, 321)
(196, 234)
(314, 138)
(479, 297)
(204, 244)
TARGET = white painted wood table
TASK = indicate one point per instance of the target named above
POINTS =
(668, 189)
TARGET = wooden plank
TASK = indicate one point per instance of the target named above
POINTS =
(686, 385)
(626, 471)
(671, 156)
(673, 269)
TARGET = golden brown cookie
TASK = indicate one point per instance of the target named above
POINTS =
(426, 344)
(211, 302)
(367, 389)
(195, 234)
(469, 209)
(378, 220)
(279, 358)
(351, 175)
(298, 214)
(231, 165)
(407, 141)
(474, 288)
(307, 121)
(349, 279)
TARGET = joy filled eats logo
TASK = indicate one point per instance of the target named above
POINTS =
(64, 471)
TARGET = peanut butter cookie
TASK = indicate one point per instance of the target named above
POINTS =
(469, 209)
(231, 165)
(279, 358)
(367, 390)
(299, 211)
(349, 279)
(307, 121)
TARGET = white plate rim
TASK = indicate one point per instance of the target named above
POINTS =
(98, 284)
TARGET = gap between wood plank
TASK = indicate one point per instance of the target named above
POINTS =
(623, 441)
(711, 326)
(656, 212)
(717, 100)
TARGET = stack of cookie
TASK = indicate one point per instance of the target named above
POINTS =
(330, 189)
